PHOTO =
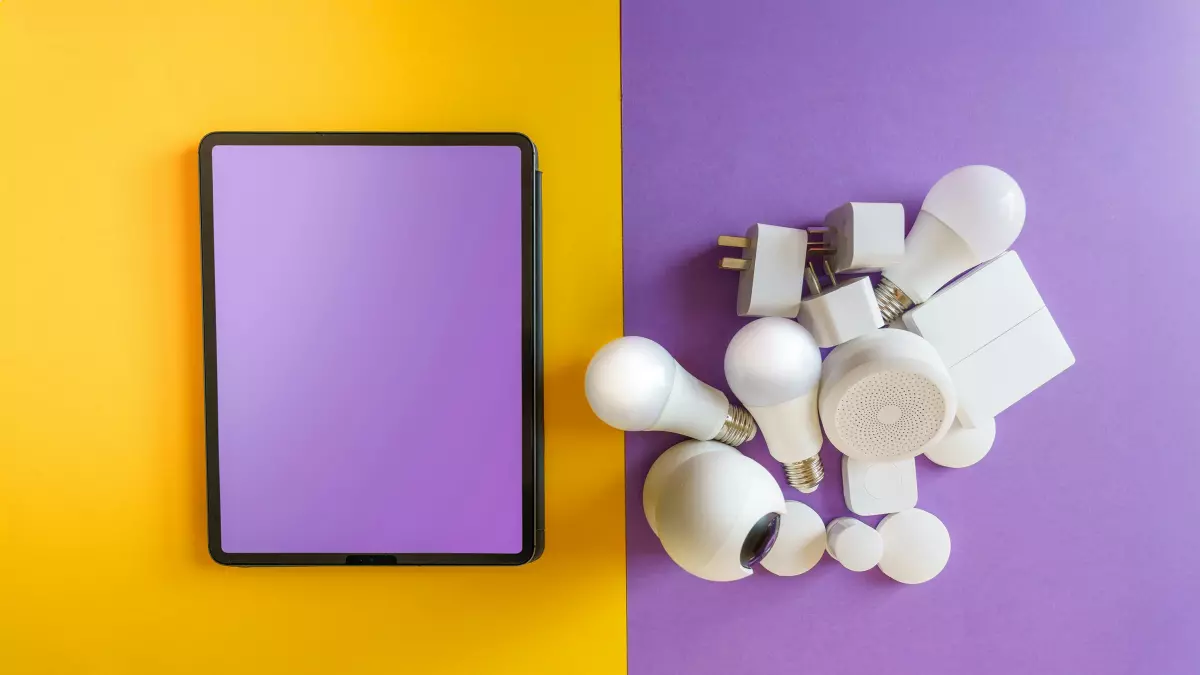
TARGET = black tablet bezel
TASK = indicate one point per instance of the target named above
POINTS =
(532, 536)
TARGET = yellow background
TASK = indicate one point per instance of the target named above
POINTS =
(103, 567)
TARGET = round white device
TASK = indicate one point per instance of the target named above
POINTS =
(716, 511)
(963, 446)
(885, 396)
(800, 543)
(916, 546)
(855, 544)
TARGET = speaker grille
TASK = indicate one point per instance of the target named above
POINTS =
(890, 414)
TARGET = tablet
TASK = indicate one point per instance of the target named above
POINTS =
(372, 348)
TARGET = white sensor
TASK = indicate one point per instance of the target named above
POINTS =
(634, 384)
(885, 396)
(854, 544)
(963, 446)
(800, 543)
(916, 546)
(716, 511)
(773, 366)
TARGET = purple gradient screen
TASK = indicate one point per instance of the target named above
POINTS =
(368, 316)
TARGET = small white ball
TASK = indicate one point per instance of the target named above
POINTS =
(963, 446)
(799, 544)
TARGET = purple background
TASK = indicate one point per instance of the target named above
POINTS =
(1075, 541)
(369, 348)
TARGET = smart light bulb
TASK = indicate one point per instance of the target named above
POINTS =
(773, 366)
(634, 384)
(972, 214)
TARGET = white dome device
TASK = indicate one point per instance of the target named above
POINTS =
(971, 215)
(633, 384)
(885, 396)
(773, 366)
(716, 511)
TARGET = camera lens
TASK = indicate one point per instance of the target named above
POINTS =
(760, 539)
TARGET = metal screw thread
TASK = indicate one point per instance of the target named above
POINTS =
(806, 474)
(892, 301)
(739, 427)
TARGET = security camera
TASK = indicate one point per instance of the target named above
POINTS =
(715, 510)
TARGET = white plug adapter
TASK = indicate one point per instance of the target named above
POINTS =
(840, 312)
(876, 488)
(867, 236)
(996, 336)
(771, 279)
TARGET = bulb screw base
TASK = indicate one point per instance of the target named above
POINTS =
(806, 474)
(739, 427)
(892, 301)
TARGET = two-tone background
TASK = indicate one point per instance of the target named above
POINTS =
(661, 125)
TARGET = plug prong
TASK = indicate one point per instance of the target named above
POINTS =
(734, 264)
(829, 273)
(810, 275)
(732, 242)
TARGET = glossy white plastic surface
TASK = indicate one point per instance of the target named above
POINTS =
(634, 384)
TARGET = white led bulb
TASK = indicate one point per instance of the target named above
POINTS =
(971, 214)
(633, 384)
(773, 366)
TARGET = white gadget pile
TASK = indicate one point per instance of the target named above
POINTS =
(931, 382)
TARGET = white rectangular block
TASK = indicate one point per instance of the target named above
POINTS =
(841, 313)
(1008, 368)
(868, 236)
(978, 308)
(877, 488)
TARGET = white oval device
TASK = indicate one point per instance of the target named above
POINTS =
(800, 543)
(853, 543)
(885, 396)
(716, 511)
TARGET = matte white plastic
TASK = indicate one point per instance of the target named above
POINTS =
(971, 214)
(963, 446)
(841, 313)
(876, 488)
(885, 396)
(916, 546)
(773, 367)
(773, 283)
(868, 236)
(976, 309)
(707, 505)
(800, 543)
(634, 384)
(1010, 367)
(664, 467)
(854, 544)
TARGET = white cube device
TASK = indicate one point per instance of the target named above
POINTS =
(868, 236)
(771, 269)
(841, 313)
(878, 488)
(995, 334)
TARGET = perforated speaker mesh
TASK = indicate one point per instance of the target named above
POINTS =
(890, 414)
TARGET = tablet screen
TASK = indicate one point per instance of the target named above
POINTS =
(368, 312)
